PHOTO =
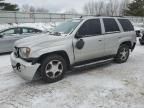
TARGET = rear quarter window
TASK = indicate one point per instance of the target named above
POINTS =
(126, 25)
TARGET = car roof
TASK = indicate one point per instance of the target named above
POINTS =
(95, 17)
(24, 27)
(19, 27)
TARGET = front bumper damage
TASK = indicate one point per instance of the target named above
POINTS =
(24, 69)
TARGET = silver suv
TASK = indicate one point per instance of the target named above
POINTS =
(74, 43)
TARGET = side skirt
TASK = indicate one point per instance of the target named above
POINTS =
(93, 61)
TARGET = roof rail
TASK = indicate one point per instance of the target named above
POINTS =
(104, 16)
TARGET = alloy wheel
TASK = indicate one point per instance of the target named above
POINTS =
(124, 54)
(54, 69)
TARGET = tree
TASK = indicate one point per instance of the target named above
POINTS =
(28, 8)
(109, 8)
(71, 11)
(8, 6)
(114, 6)
(25, 8)
(90, 8)
(41, 10)
(136, 8)
(32, 9)
(124, 6)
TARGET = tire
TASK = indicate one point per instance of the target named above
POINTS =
(122, 54)
(53, 68)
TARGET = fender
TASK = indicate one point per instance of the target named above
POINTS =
(125, 39)
(67, 49)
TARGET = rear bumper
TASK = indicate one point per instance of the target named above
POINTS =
(24, 69)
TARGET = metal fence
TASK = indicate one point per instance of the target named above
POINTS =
(22, 17)
(25, 17)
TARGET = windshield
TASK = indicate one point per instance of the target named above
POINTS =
(67, 27)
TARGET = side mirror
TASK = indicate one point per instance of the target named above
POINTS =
(78, 36)
(80, 44)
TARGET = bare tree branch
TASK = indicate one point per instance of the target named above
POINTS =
(110, 8)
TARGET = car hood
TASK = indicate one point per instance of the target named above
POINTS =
(38, 40)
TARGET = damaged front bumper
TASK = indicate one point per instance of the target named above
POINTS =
(24, 69)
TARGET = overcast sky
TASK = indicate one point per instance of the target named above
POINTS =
(53, 5)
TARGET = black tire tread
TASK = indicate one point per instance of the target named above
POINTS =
(44, 63)
(117, 59)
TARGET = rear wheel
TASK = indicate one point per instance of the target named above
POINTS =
(123, 54)
(53, 68)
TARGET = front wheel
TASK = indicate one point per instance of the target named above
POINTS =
(53, 68)
(123, 54)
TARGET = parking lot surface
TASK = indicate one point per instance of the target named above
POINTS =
(107, 86)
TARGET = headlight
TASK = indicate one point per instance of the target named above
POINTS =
(24, 52)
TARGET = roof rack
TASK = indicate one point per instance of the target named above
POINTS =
(85, 16)
(105, 16)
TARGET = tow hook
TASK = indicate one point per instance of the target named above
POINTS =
(18, 67)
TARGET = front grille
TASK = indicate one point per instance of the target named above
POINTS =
(16, 51)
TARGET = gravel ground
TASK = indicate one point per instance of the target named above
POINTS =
(107, 86)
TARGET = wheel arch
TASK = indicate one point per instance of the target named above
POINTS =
(61, 53)
(127, 43)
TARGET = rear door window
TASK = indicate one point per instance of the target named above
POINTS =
(90, 28)
(25, 30)
(110, 25)
(126, 25)
(30, 30)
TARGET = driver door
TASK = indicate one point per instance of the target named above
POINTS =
(90, 33)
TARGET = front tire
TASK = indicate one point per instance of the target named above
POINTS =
(122, 54)
(53, 68)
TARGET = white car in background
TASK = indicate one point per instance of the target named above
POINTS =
(10, 35)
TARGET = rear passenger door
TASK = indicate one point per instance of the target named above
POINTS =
(112, 36)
